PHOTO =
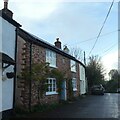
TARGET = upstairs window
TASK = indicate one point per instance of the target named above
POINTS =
(73, 65)
(51, 58)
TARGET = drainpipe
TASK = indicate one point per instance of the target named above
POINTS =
(30, 70)
(14, 82)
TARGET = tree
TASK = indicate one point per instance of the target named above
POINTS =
(59, 79)
(94, 71)
(113, 74)
(77, 53)
(114, 83)
(39, 74)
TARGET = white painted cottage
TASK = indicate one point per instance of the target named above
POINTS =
(8, 32)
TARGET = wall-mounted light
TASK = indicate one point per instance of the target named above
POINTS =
(6, 62)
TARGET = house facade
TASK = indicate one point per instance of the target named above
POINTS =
(8, 36)
(83, 80)
(32, 49)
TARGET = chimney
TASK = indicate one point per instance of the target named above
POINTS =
(6, 11)
(58, 43)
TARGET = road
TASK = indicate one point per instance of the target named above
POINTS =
(92, 106)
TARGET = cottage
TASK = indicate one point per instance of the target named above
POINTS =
(32, 49)
(8, 37)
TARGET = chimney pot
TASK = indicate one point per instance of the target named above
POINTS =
(57, 39)
(66, 49)
(58, 43)
(5, 4)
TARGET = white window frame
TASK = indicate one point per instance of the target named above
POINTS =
(51, 86)
(74, 84)
(73, 65)
(51, 58)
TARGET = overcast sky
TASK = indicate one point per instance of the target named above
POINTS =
(73, 23)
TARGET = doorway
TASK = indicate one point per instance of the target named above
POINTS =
(63, 91)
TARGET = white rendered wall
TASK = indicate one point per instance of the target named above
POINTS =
(82, 80)
(8, 47)
(0, 69)
(8, 38)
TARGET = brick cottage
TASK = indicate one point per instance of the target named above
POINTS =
(34, 49)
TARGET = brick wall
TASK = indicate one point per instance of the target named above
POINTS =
(38, 56)
(22, 86)
(63, 64)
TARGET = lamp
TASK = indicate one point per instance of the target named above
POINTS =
(6, 62)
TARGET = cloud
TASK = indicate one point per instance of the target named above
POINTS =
(64, 20)
(33, 11)
(110, 61)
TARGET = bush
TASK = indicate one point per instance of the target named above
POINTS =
(44, 107)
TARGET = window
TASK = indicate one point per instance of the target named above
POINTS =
(74, 84)
(51, 82)
(51, 58)
(73, 66)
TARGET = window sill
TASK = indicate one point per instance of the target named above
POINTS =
(73, 71)
(51, 93)
(53, 66)
(75, 89)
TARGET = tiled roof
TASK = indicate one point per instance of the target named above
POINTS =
(36, 40)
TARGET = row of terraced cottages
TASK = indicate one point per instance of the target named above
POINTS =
(21, 49)
(31, 49)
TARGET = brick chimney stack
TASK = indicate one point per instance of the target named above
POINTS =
(6, 11)
(58, 43)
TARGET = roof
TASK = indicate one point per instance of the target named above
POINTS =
(6, 59)
(3, 15)
(38, 41)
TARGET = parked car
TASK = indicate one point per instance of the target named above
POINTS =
(97, 89)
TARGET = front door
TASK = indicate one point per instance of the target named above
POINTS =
(63, 92)
(82, 87)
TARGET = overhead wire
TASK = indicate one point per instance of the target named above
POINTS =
(102, 27)
(109, 49)
(95, 37)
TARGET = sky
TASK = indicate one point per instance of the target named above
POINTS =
(76, 23)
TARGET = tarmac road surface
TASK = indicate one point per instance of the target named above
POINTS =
(92, 106)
